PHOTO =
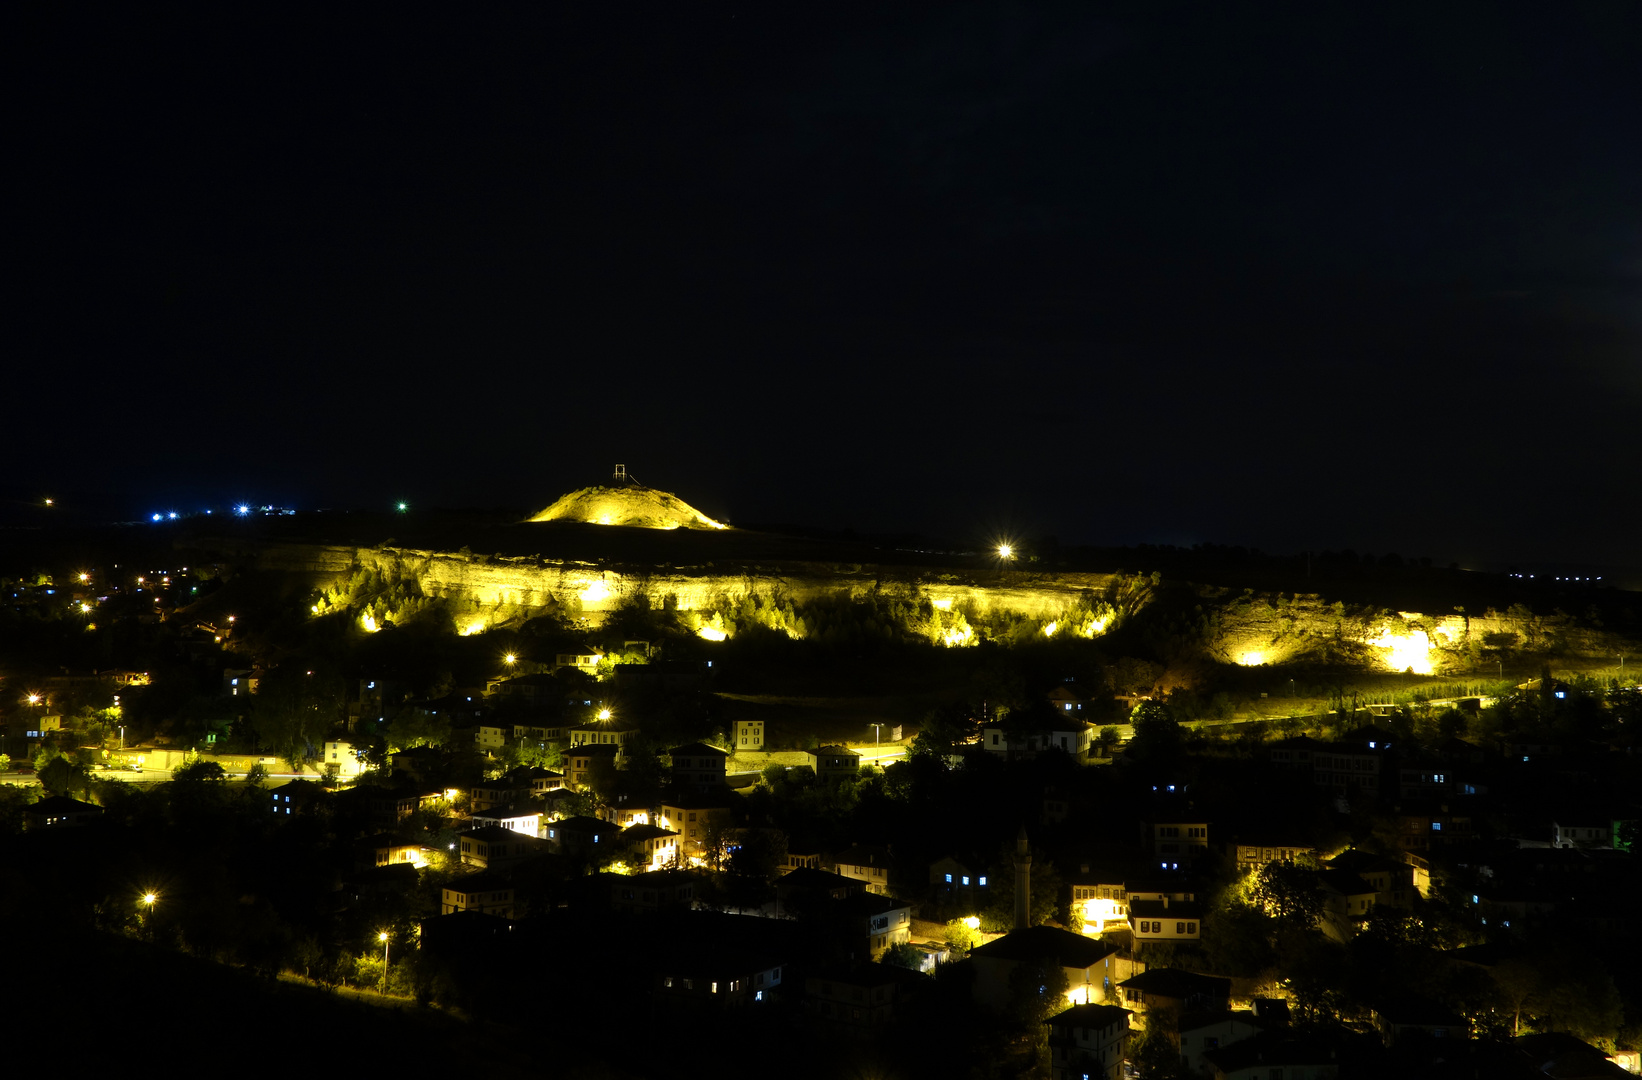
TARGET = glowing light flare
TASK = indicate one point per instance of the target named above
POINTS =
(149, 899)
(957, 637)
(510, 659)
(368, 621)
(604, 714)
(711, 633)
(1006, 551)
(596, 592)
(84, 578)
(1409, 651)
(973, 922)
(1252, 658)
(1093, 628)
(943, 604)
(472, 628)
(1049, 630)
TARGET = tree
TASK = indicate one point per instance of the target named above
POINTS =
(1290, 894)
(942, 731)
(60, 776)
(905, 955)
(199, 770)
(962, 937)
(1154, 1054)
(1105, 740)
(1158, 738)
(1037, 990)
(1131, 676)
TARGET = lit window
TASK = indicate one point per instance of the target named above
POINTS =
(949, 879)
(982, 882)
(966, 879)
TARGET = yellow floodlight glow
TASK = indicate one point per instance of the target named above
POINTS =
(1410, 651)
(383, 936)
(1093, 628)
(472, 628)
(1006, 551)
(510, 659)
(957, 637)
(711, 633)
(604, 714)
(85, 609)
(943, 604)
(595, 593)
(84, 578)
(368, 621)
(149, 899)
(34, 699)
(973, 922)
(1252, 658)
(1049, 631)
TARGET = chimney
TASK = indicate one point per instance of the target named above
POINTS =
(1023, 881)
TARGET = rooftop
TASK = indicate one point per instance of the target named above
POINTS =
(1046, 943)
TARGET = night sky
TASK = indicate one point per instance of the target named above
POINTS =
(1287, 276)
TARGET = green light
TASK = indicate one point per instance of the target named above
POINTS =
(403, 507)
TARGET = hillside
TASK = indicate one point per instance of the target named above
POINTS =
(632, 505)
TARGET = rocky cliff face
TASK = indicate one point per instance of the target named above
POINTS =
(481, 592)
(502, 589)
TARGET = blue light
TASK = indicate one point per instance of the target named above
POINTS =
(242, 510)
(157, 517)
(172, 515)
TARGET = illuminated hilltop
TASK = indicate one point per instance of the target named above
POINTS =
(630, 504)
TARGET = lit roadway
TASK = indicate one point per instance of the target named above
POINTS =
(879, 755)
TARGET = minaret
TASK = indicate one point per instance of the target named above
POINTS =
(1023, 882)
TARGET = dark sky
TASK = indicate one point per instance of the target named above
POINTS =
(1361, 276)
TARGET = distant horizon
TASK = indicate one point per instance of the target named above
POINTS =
(75, 512)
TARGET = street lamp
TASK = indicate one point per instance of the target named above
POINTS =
(383, 938)
(510, 659)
